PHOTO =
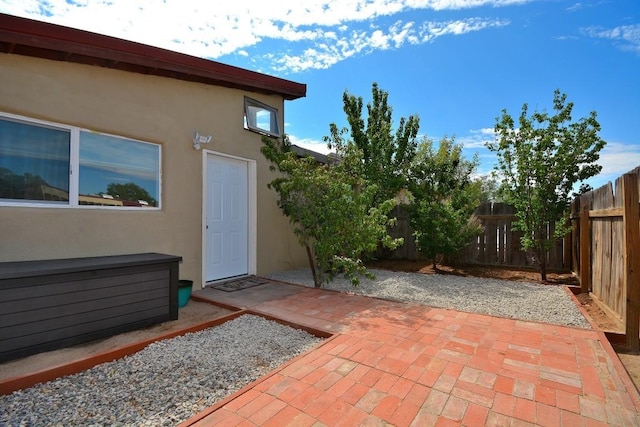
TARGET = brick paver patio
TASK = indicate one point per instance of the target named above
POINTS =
(408, 365)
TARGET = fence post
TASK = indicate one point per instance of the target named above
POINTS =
(574, 263)
(567, 246)
(585, 249)
(631, 251)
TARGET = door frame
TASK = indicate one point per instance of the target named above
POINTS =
(252, 212)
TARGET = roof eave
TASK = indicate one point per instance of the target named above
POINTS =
(43, 40)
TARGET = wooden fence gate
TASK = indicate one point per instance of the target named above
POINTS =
(606, 226)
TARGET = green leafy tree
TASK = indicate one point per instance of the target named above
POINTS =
(584, 188)
(386, 155)
(331, 210)
(445, 196)
(540, 159)
(130, 191)
(490, 188)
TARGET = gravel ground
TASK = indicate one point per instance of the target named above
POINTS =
(167, 382)
(517, 300)
(172, 380)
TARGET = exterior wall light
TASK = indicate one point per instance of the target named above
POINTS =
(198, 140)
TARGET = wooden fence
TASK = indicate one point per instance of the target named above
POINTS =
(403, 230)
(603, 248)
(500, 245)
(606, 234)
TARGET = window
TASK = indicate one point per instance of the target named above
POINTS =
(31, 170)
(49, 164)
(118, 171)
(260, 117)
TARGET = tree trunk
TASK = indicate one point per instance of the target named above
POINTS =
(543, 269)
(312, 264)
(542, 259)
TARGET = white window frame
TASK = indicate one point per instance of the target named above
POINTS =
(74, 169)
(250, 120)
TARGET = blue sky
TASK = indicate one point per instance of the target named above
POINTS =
(454, 63)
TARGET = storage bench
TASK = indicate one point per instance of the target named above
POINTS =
(50, 304)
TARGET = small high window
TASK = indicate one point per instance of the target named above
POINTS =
(260, 117)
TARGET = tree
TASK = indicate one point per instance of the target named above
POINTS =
(539, 162)
(490, 188)
(332, 210)
(445, 197)
(584, 189)
(130, 191)
(386, 156)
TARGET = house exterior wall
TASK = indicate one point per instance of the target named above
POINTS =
(148, 108)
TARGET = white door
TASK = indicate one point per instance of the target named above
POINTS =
(226, 222)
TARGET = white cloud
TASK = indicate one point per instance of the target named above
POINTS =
(431, 30)
(379, 40)
(575, 7)
(330, 52)
(618, 158)
(319, 33)
(476, 138)
(310, 144)
(466, 4)
(627, 37)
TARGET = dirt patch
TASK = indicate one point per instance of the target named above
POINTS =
(599, 316)
(630, 359)
(631, 362)
(497, 272)
(193, 313)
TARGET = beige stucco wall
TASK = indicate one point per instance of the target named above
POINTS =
(147, 108)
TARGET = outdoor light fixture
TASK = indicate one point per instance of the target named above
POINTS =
(200, 139)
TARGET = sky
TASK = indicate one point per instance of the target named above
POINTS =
(455, 63)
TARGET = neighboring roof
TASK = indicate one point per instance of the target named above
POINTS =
(303, 152)
(325, 159)
(23, 36)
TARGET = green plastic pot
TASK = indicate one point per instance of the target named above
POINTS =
(184, 292)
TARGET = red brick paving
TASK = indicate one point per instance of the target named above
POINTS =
(409, 365)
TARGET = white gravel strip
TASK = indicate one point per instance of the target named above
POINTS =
(517, 300)
(166, 383)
